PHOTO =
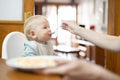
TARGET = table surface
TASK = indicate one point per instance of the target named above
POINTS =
(85, 42)
(8, 73)
(66, 48)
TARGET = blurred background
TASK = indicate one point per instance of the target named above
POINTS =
(102, 16)
(90, 14)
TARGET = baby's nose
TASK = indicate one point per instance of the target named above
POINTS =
(50, 31)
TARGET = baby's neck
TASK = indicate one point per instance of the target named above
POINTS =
(42, 42)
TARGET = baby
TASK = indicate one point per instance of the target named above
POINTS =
(38, 33)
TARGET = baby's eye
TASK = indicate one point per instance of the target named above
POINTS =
(45, 27)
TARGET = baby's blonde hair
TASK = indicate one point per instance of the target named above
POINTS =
(31, 23)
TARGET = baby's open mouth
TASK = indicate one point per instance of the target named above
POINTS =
(50, 34)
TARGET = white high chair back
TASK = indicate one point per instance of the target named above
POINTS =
(13, 45)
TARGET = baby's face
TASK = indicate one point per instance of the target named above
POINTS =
(43, 32)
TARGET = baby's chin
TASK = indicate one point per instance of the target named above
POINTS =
(49, 38)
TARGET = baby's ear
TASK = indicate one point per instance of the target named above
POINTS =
(32, 34)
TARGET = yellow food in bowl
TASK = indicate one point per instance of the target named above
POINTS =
(35, 62)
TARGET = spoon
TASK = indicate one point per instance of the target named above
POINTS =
(55, 31)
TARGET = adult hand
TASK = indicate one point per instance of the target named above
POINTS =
(75, 70)
(70, 26)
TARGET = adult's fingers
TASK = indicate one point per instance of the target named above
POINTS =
(61, 62)
(59, 69)
(64, 26)
(62, 69)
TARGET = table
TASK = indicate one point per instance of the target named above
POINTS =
(7, 73)
(67, 50)
(83, 42)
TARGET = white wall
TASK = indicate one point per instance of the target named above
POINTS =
(11, 10)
